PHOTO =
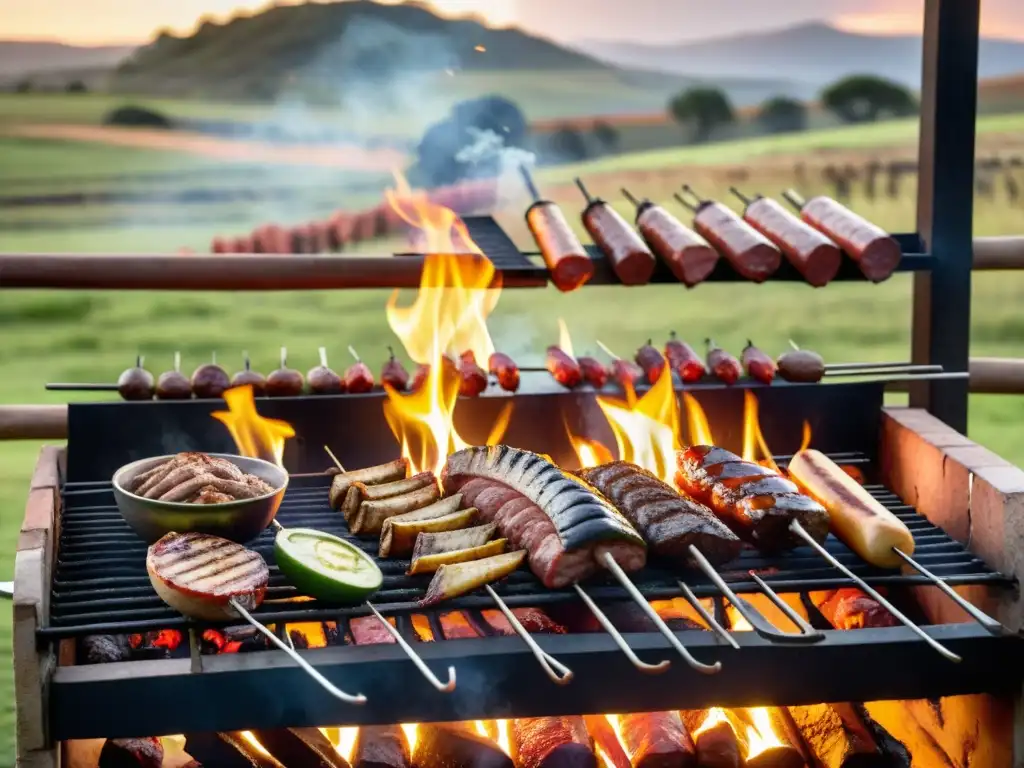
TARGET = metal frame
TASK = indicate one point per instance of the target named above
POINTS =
(945, 198)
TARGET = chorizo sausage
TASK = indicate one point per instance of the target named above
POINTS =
(812, 254)
(876, 252)
(563, 253)
(629, 256)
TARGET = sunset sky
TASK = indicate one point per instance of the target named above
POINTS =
(660, 21)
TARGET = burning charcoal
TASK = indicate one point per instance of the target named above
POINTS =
(628, 617)
(299, 640)
(718, 746)
(103, 649)
(227, 749)
(552, 742)
(168, 639)
(534, 621)
(300, 747)
(248, 638)
(213, 641)
(381, 746)
(132, 753)
(443, 745)
(455, 625)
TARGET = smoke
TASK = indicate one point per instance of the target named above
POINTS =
(488, 152)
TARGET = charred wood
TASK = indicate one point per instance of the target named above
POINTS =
(226, 749)
(606, 741)
(104, 649)
(132, 753)
(381, 746)
(456, 745)
(657, 740)
(551, 742)
(300, 748)
(838, 737)
(718, 747)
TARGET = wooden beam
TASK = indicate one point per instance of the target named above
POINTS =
(33, 422)
(998, 253)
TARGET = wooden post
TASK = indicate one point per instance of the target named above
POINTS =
(32, 576)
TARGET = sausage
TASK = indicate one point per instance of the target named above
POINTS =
(723, 365)
(626, 373)
(629, 256)
(393, 374)
(358, 378)
(593, 371)
(565, 370)
(472, 378)
(758, 365)
(219, 245)
(857, 519)
(419, 378)
(505, 370)
(749, 252)
(757, 503)
(815, 256)
(563, 253)
(875, 251)
(369, 518)
(651, 361)
(375, 475)
(686, 253)
(683, 360)
(358, 492)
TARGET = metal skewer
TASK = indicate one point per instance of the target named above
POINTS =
(877, 366)
(326, 684)
(799, 530)
(556, 670)
(608, 562)
(908, 376)
(620, 641)
(604, 348)
(805, 632)
(990, 624)
(415, 657)
(334, 458)
(709, 619)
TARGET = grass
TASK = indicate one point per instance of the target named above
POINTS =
(92, 336)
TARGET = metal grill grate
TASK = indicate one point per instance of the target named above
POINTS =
(100, 582)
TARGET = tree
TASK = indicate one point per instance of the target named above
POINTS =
(568, 145)
(781, 114)
(607, 135)
(76, 86)
(865, 98)
(493, 113)
(704, 108)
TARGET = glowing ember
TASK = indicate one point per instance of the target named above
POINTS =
(412, 735)
(254, 435)
(481, 728)
(447, 318)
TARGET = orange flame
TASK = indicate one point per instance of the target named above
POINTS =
(760, 733)
(700, 430)
(715, 716)
(254, 435)
(448, 317)
(346, 742)
(504, 739)
(412, 735)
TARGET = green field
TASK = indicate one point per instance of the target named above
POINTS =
(92, 336)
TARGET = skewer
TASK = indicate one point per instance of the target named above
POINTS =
(67, 387)
(947, 376)
(848, 369)
(698, 200)
(620, 641)
(556, 670)
(688, 206)
(874, 366)
(607, 351)
(799, 530)
(805, 632)
(528, 180)
(352, 352)
(620, 575)
(415, 657)
(990, 624)
(708, 618)
(794, 198)
(334, 458)
(322, 352)
(631, 198)
(742, 198)
(583, 188)
(326, 684)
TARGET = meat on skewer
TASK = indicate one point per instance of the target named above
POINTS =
(687, 364)
(593, 371)
(564, 525)
(248, 377)
(801, 365)
(136, 383)
(322, 380)
(210, 380)
(505, 370)
(358, 378)
(723, 365)
(285, 381)
(631, 260)
(173, 384)
(563, 367)
(685, 252)
(757, 503)
(393, 374)
(651, 361)
(669, 523)
(758, 365)
(564, 254)
(472, 378)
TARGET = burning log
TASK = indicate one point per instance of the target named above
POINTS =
(381, 746)
(300, 747)
(551, 742)
(457, 745)
(132, 753)
(838, 737)
(227, 749)
(657, 740)
(606, 741)
(770, 739)
(714, 735)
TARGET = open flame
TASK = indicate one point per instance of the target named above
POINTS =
(760, 733)
(255, 436)
(564, 339)
(448, 318)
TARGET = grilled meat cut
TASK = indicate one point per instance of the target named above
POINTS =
(199, 479)
(669, 523)
(756, 502)
(564, 523)
(198, 575)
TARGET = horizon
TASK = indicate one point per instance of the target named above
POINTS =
(68, 22)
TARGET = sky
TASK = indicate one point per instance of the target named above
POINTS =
(94, 22)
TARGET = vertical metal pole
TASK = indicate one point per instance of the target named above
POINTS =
(945, 196)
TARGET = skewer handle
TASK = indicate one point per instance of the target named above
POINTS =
(607, 351)
(798, 529)
(68, 387)
(830, 367)
(284, 357)
(326, 684)
(334, 459)
(620, 575)
(990, 624)
(528, 180)
(631, 197)
(583, 188)
(794, 198)
(620, 641)
(684, 203)
(177, 361)
(710, 620)
(415, 657)
(354, 354)
(740, 196)
(556, 670)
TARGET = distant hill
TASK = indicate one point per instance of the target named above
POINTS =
(812, 54)
(19, 57)
(373, 58)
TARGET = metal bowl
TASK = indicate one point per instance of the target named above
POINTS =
(240, 521)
